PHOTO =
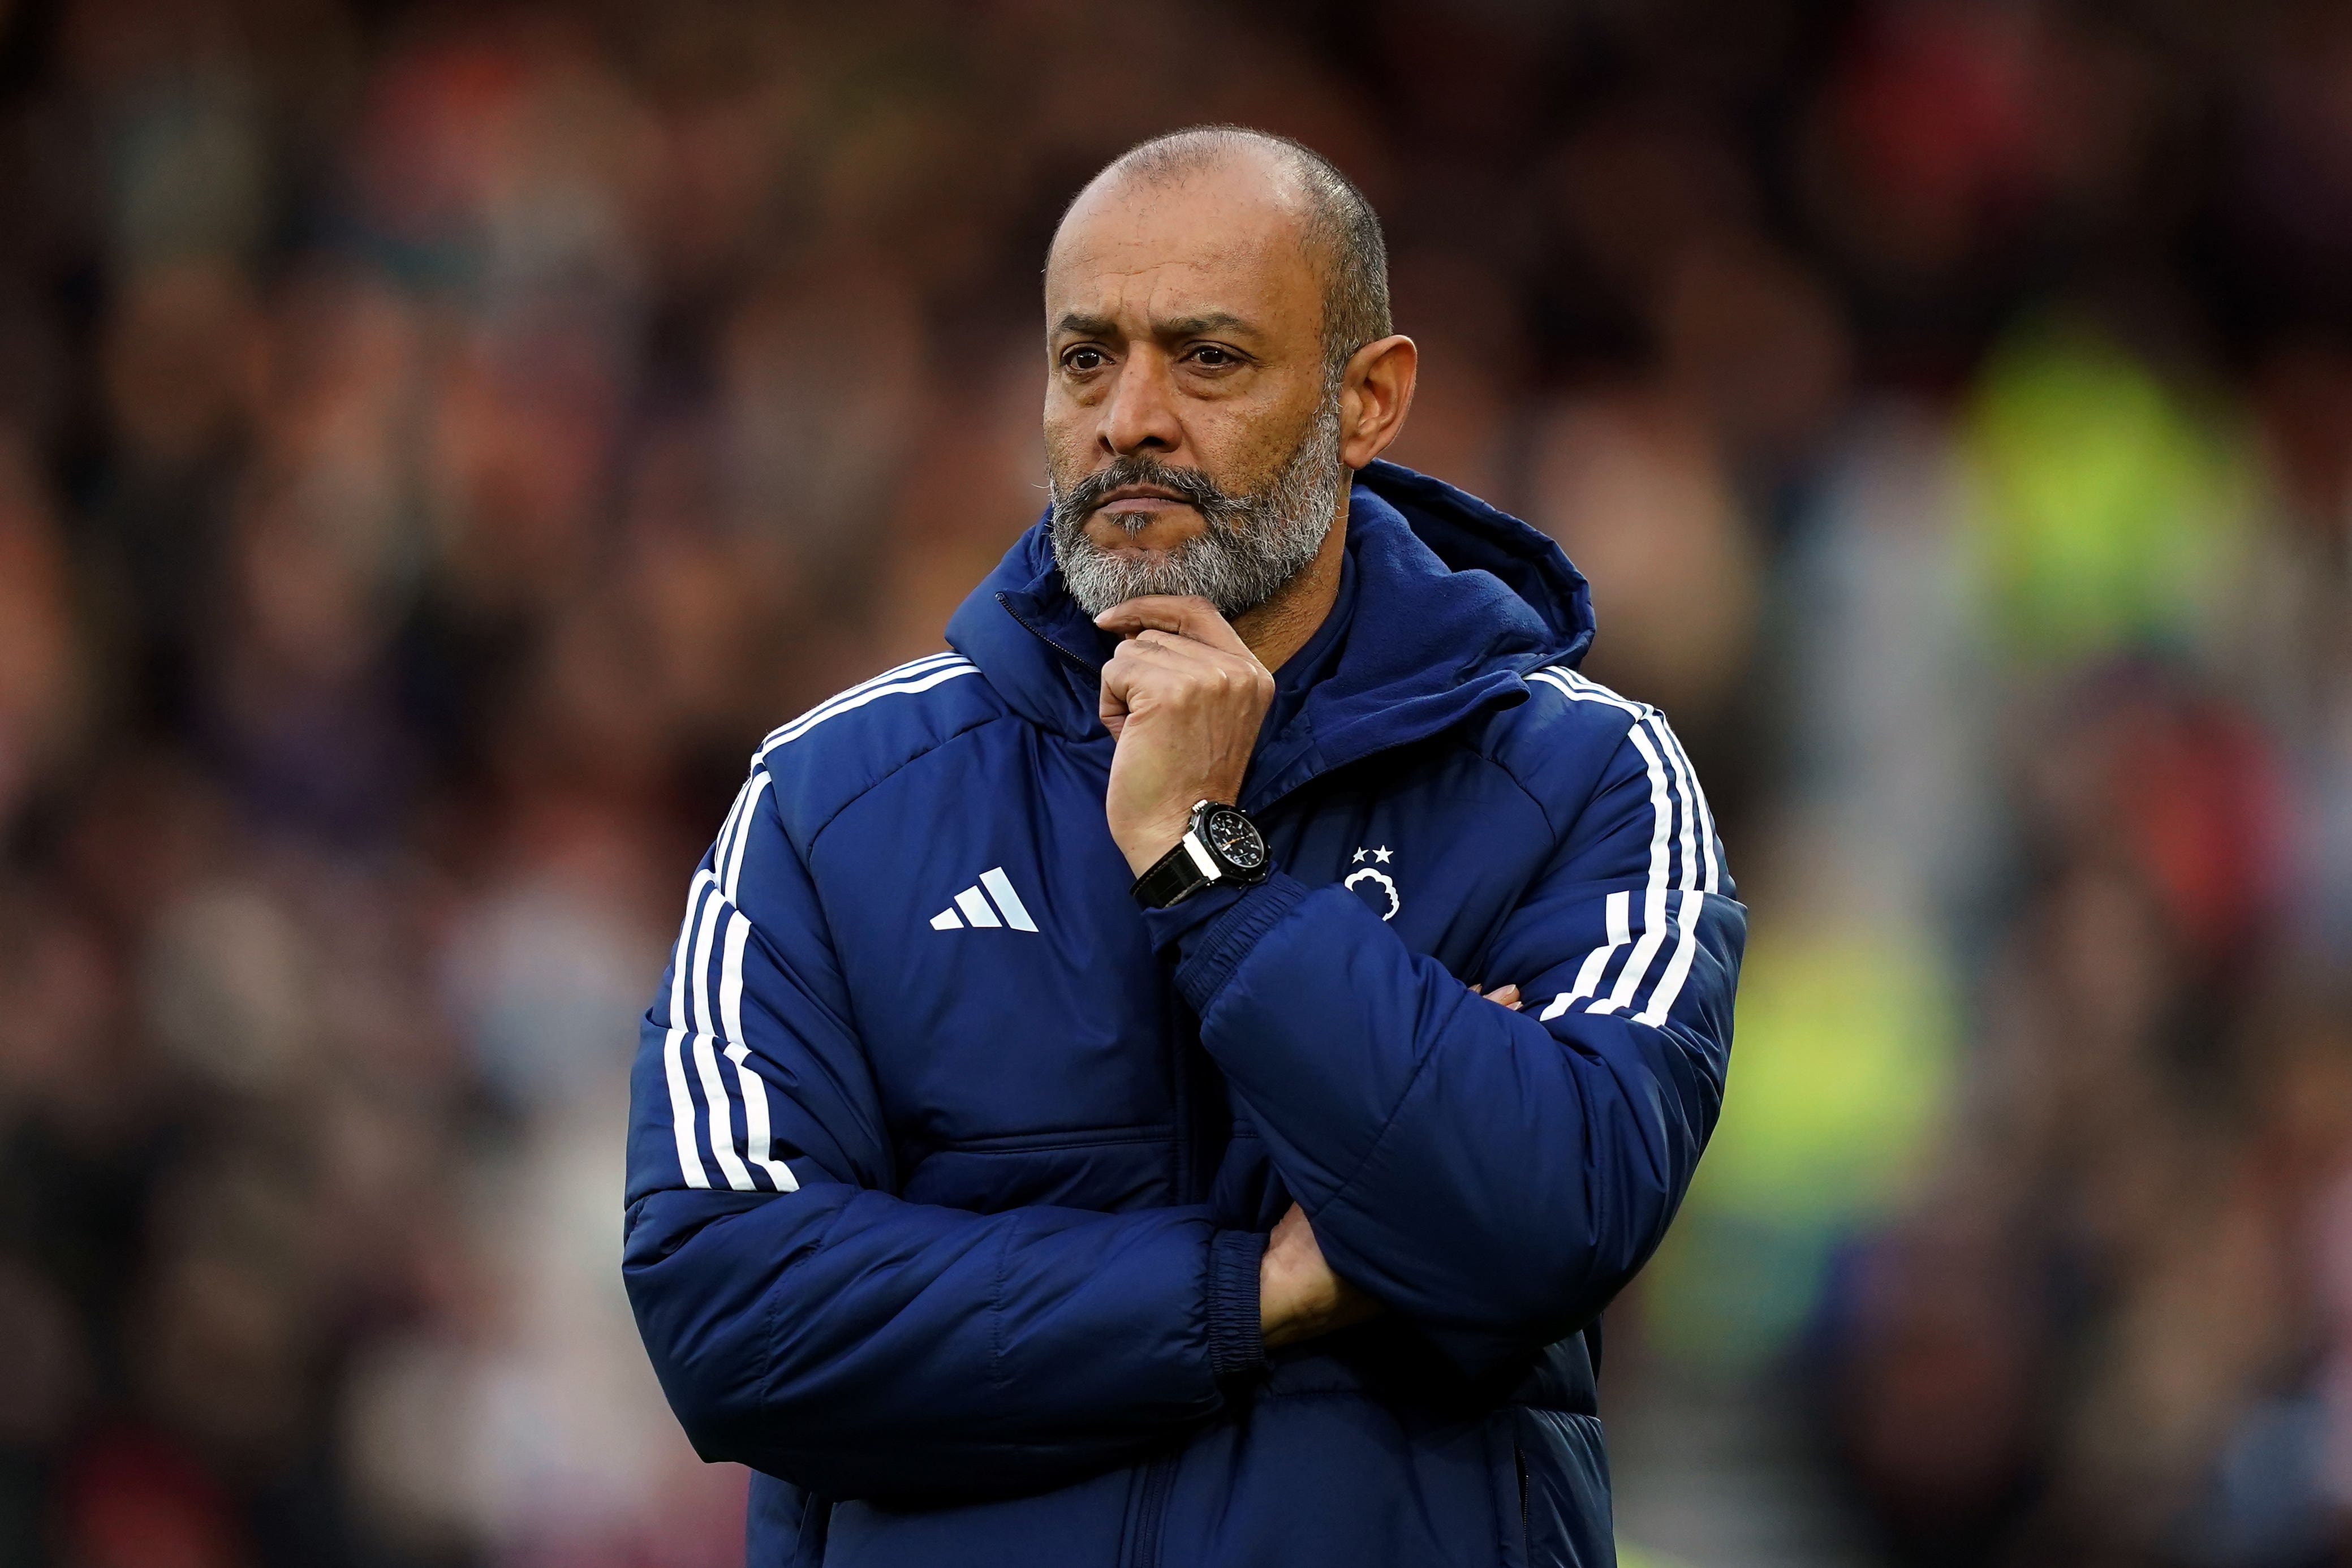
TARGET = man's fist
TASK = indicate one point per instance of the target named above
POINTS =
(1183, 697)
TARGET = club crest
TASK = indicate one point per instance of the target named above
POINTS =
(1374, 886)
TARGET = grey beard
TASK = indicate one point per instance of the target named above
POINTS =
(1250, 547)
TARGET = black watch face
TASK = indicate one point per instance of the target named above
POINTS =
(1235, 839)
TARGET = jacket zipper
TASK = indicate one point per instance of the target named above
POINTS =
(1034, 631)
(1159, 1480)
(1160, 1476)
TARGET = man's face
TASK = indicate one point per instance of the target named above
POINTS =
(1190, 439)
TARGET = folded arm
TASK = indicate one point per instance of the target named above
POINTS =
(1494, 1176)
(804, 1321)
(1497, 1176)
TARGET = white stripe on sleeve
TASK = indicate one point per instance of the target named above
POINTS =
(1687, 796)
(1654, 901)
(912, 668)
(705, 1061)
(1699, 798)
(1596, 963)
(920, 682)
(727, 828)
(681, 1100)
(1575, 689)
(754, 1086)
(1697, 842)
(1670, 985)
(753, 790)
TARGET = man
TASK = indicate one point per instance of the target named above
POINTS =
(1070, 1130)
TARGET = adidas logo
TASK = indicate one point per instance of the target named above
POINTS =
(979, 912)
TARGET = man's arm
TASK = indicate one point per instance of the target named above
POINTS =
(804, 1321)
(1493, 1176)
(1299, 1297)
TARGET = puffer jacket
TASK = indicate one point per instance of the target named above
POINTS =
(949, 1170)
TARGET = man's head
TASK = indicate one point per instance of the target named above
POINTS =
(1220, 359)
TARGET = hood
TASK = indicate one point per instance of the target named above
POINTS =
(1456, 603)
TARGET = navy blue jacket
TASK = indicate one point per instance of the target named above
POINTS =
(949, 1170)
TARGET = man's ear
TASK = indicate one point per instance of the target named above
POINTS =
(1375, 394)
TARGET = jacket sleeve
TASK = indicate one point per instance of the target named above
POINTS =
(1495, 1177)
(804, 1321)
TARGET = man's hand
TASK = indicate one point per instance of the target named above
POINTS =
(1183, 697)
(1298, 1296)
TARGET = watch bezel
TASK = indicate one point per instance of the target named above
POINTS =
(1205, 812)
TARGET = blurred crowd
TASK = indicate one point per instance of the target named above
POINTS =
(437, 441)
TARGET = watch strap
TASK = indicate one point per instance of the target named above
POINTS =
(1177, 875)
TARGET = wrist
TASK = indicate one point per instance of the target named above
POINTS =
(1275, 1311)
(1219, 844)
(1144, 841)
(1292, 1303)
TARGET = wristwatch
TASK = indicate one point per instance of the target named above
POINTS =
(1222, 845)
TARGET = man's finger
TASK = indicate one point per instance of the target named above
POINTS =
(1145, 644)
(1163, 657)
(1187, 616)
(1188, 665)
(1165, 648)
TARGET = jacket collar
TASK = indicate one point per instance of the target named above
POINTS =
(1455, 603)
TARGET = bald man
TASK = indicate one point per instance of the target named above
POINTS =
(1176, 1078)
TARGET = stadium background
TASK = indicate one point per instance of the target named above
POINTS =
(435, 442)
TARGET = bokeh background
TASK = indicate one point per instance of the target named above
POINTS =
(437, 441)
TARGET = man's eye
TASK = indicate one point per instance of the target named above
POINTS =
(1083, 359)
(1215, 358)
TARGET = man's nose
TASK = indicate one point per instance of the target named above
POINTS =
(1140, 414)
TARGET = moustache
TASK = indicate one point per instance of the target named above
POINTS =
(1190, 486)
